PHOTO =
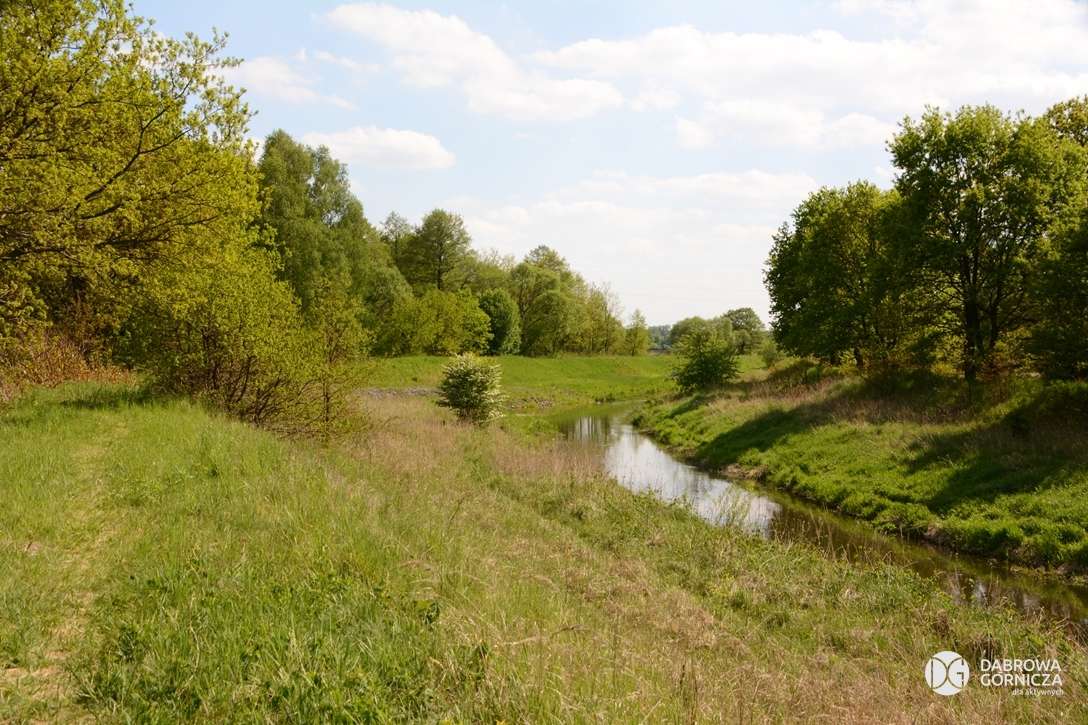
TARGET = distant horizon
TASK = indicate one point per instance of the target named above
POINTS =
(630, 137)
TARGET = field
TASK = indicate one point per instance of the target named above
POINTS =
(163, 563)
(1002, 473)
(538, 382)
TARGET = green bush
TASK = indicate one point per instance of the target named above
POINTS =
(228, 333)
(707, 361)
(770, 354)
(471, 388)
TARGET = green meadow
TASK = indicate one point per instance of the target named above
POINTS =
(163, 563)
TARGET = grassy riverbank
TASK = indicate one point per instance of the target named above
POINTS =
(1002, 472)
(162, 563)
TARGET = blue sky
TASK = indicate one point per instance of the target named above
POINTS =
(656, 145)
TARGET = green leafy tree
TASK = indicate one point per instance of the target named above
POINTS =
(838, 283)
(636, 339)
(317, 225)
(546, 308)
(748, 330)
(449, 323)
(685, 326)
(227, 332)
(601, 330)
(436, 251)
(504, 320)
(472, 389)
(119, 147)
(706, 361)
(1059, 337)
(982, 190)
(341, 343)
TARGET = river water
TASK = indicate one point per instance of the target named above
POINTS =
(639, 464)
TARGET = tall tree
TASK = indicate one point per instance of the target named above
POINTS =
(1059, 337)
(316, 223)
(436, 250)
(981, 189)
(119, 147)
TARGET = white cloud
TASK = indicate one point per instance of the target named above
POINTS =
(432, 50)
(323, 56)
(674, 245)
(823, 89)
(275, 79)
(384, 147)
(692, 134)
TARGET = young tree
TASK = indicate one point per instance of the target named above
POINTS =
(982, 189)
(636, 339)
(472, 389)
(706, 361)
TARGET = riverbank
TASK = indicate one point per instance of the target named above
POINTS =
(1002, 472)
(166, 563)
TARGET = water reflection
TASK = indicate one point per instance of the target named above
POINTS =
(639, 464)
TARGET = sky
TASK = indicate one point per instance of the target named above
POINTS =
(656, 145)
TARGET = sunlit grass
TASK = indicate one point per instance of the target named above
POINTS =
(161, 563)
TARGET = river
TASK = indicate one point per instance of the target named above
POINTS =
(639, 464)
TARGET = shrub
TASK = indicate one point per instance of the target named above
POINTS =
(229, 333)
(770, 353)
(707, 361)
(471, 389)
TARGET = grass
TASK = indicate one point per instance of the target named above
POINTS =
(542, 382)
(162, 563)
(1002, 472)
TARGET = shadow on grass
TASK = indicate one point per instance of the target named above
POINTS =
(1037, 446)
(111, 398)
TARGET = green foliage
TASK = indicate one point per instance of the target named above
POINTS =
(504, 321)
(707, 361)
(770, 354)
(315, 223)
(636, 338)
(680, 329)
(341, 344)
(228, 333)
(837, 285)
(748, 330)
(981, 192)
(472, 389)
(435, 251)
(118, 147)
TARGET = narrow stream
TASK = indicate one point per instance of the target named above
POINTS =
(638, 463)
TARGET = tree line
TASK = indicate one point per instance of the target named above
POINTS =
(976, 259)
(137, 220)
